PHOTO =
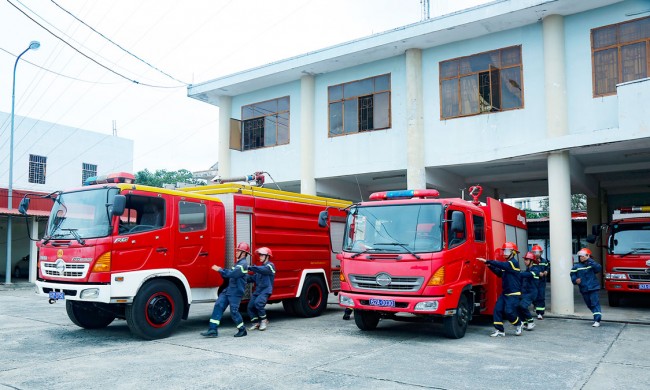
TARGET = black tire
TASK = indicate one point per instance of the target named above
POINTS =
(455, 326)
(156, 310)
(289, 306)
(313, 297)
(614, 298)
(87, 315)
(366, 320)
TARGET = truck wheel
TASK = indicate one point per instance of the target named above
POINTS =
(366, 320)
(614, 298)
(289, 306)
(87, 315)
(456, 325)
(156, 310)
(313, 297)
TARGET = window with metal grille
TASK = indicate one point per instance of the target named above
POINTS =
(361, 105)
(87, 170)
(265, 124)
(37, 169)
(620, 54)
(481, 83)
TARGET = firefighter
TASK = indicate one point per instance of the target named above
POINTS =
(529, 279)
(263, 277)
(583, 274)
(233, 294)
(508, 302)
(346, 313)
(545, 268)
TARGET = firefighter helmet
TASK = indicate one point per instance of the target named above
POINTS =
(529, 256)
(584, 252)
(537, 248)
(264, 251)
(510, 245)
(244, 247)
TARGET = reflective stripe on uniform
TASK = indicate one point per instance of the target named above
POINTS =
(596, 312)
(498, 323)
(240, 325)
(515, 321)
(581, 269)
(214, 321)
(514, 293)
(271, 267)
(253, 319)
(243, 270)
(513, 266)
(540, 308)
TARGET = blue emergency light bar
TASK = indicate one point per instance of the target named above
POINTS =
(404, 194)
(119, 177)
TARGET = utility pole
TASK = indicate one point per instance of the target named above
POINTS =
(425, 10)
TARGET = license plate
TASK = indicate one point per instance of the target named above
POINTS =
(382, 302)
(644, 286)
(56, 295)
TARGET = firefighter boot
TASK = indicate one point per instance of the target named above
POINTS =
(263, 324)
(212, 332)
(241, 331)
(256, 325)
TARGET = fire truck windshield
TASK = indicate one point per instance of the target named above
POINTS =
(409, 228)
(630, 238)
(81, 214)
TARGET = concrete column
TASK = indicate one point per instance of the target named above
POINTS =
(415, 172)
(33, 251)
(593, 218)
(559, 179)
(307, 103)
(225, 111)
(559, 193)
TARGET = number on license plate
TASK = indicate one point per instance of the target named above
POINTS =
(56, 295)
(382, 302)
(644, 286)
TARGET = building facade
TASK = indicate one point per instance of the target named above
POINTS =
(49, 157)
(525, 97)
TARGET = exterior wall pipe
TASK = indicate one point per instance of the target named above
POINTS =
(415, 172)
(307, 104)
(225, 111)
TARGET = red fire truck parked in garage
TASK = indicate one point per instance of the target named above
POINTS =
(627, 262)
(116, 249)
(407, 255)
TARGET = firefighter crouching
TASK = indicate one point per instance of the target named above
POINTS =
(263, 277)
(233, 294)
(508, 302)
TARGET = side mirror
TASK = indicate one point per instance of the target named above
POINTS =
(119, 204)
(24, 206)
(591, 239)
(457, 221)
(322, 218)
(595, 230)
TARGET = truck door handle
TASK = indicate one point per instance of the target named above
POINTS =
(203, 253)
(161, 250)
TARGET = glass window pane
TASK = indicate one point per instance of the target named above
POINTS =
(606, 71)
(381, 110)
(604, 37)
(270, 130)
(479, 62)
(449, 98)
(633, 61)
(511, 56)
(335, 93)
(266, 108)
(358, 88)
(449, 69)
(283, 129)
(382, 83)
(469, 95)
(511, 88)
(283, 104)
(336, 118)
(351, 116)
(246, 112)
(633, 31)
(191, 216)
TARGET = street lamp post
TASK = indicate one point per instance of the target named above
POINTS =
(34, 45)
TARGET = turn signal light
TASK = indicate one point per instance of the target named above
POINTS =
(438, 279)
(342, 277)
(103, 263)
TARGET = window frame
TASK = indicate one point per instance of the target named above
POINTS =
(84, 170)
(33, 164)
(343, 99)
(276, 113)
(490, 69)
(618, 46)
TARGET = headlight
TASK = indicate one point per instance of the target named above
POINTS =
(427, 306)
(90, 293)
(346, 301)
(616, 276)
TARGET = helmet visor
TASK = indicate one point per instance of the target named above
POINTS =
(507, 251)
(537, 252)
(582, 253)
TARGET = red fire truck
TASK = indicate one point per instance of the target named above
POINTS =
(627, 261)
(410, 256)
(115, 249)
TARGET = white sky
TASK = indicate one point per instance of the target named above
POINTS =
(193, 41)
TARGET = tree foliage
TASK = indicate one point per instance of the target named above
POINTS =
(163, 176)
(578, 203)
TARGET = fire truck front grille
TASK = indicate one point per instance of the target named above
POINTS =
(635, 274)
(336, 281)
(397, 283)
(640, 277)
(65, 270)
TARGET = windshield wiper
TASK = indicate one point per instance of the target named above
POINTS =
(76, 236)
(401, 245)
(634, 250)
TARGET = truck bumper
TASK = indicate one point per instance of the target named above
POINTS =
(435, 305)
(626, 286)
(76, 292)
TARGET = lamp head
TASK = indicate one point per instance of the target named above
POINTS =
(34, 45)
